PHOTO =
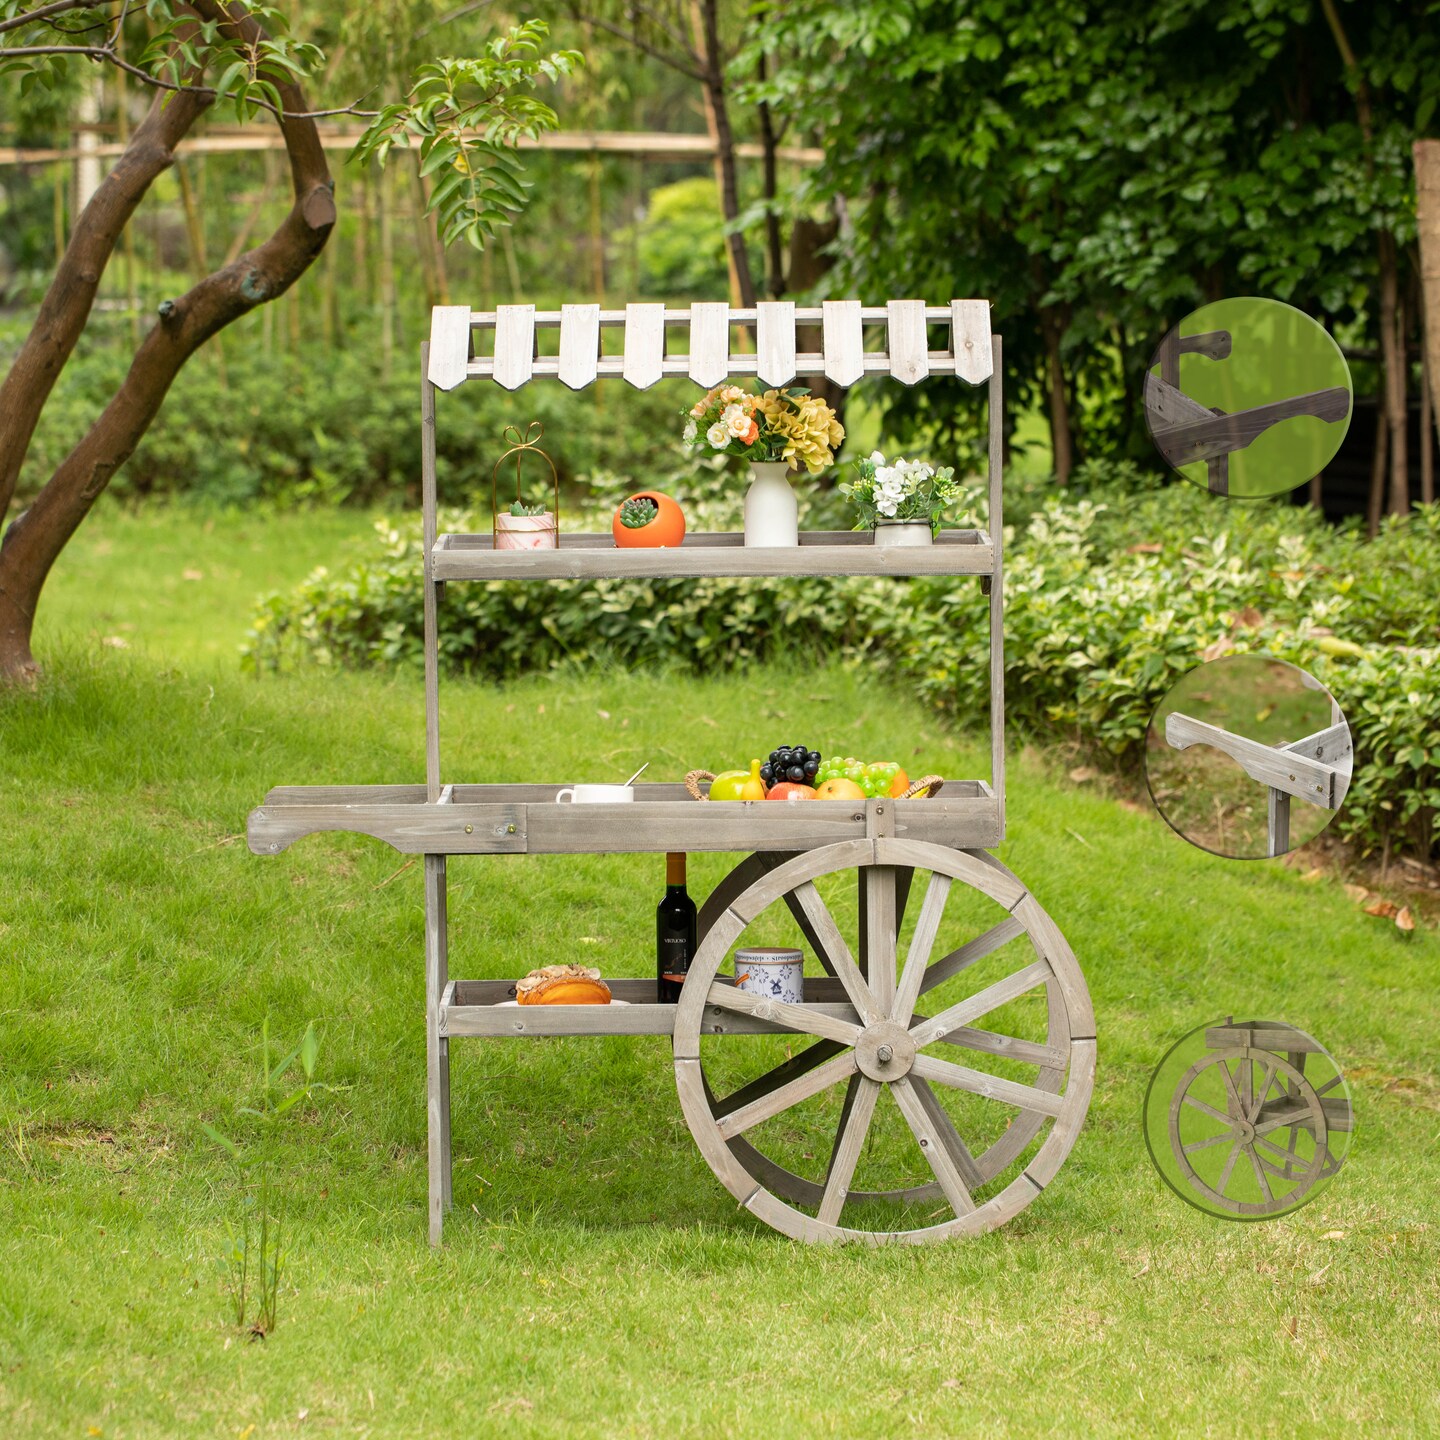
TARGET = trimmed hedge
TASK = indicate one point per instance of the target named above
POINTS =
(1110, 597)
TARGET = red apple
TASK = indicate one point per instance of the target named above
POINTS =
(789, 790)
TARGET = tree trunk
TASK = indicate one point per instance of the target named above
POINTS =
(36, 538)
(1054, 320)
(1427, 211)
(775, 281)
(705, 22)
(1392, 351)
(1375, 506)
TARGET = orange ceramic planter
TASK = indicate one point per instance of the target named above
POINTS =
(666, 530)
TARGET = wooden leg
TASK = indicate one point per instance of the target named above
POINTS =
(1279, 823)
(437, 1048)
(1219, 470)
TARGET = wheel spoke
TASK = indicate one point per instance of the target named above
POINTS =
(945, 1131)
(1260, 1175)
(826, 937)
(849, 1140)
(1247, 1085)
(880, 933)
(981, 1003)
(952, 964)
(988, 1042)
(1328, 1086)
(803, 1087)
(786, 1071)
(1229, 1168)
(1296, 1118)
(802, 1018)
(927, 927)
(1195, 1145)
(991, 1087)
(1257, 1102)
(1289, 1156)
(1232, 1097)
(1208, 1109)
(931, 1146)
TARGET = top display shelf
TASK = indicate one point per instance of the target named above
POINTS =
(820, 552)
(710, 343)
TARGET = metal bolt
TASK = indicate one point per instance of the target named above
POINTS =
(509, 829)
(469, 829)
(884, 1054)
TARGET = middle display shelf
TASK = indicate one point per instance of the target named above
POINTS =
(820, 552)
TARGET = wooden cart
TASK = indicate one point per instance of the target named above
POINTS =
(1275, 1122)
(860, 1027)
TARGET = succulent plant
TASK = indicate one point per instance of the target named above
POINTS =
(532, 512)
(638, 512)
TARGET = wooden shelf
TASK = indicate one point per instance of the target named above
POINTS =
(528, 820)
(820, 552)
(474, 1007)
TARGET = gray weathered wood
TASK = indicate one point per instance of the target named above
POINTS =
(943, 1128)
(1297, 775)
(991, 1087)
(970, 341)
(775, 342)
(709, 362)
(430, 598)
(514, 345)
(832, 945)
(803, 1019)
(1277, 822)
(922, 942)
(880, 935)
(644, 346)
(583, 557)
(774, 1078)
(849, 1139)
(437, 1050)
(844, 341)
(995, 520)
(909, 348)
(579, 345)
(932, 1145)
(765, 1107)
(972, 951)
(449, 353)
(981, 1003)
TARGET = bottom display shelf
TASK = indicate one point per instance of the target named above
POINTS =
(476, 1007)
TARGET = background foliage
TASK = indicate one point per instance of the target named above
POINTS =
(1110, 597)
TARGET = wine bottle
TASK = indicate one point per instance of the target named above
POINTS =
(674, 932)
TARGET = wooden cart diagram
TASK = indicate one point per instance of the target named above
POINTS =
(1186, 431)
(870, 1027)
(1250, 1100)
(1314, 769)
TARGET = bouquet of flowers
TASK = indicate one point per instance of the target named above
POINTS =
(901, 490)
(790, 425)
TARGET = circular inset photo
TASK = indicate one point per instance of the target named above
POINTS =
(1248, 397)
(1248, 757)
(1247, 1120)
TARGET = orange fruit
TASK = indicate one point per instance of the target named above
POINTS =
(838, 788)
(899, 785)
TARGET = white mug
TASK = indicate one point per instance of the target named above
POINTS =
(596, 794)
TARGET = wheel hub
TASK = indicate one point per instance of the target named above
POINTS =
(885, 1051)
(1244, 1131)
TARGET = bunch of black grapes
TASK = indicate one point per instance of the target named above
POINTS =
(795, 763)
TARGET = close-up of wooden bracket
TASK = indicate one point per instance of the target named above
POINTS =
(1315, 768)
(1185, 431)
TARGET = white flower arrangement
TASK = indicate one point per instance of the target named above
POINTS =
(900, 490)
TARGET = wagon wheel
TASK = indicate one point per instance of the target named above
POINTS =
(990, 1161)
(879, 1044)
(1270, 1125)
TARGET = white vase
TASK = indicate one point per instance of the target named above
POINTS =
(772, 513)
(903, 532)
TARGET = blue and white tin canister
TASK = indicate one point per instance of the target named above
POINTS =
(773, 973)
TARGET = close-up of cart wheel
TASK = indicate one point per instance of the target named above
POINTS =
(1249, 1132)
(797, 1126)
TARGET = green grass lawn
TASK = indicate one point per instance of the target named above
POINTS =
(597, 1280)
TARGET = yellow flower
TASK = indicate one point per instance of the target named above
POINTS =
(811, 431)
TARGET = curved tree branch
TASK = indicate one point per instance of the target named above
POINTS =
(32, 544)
